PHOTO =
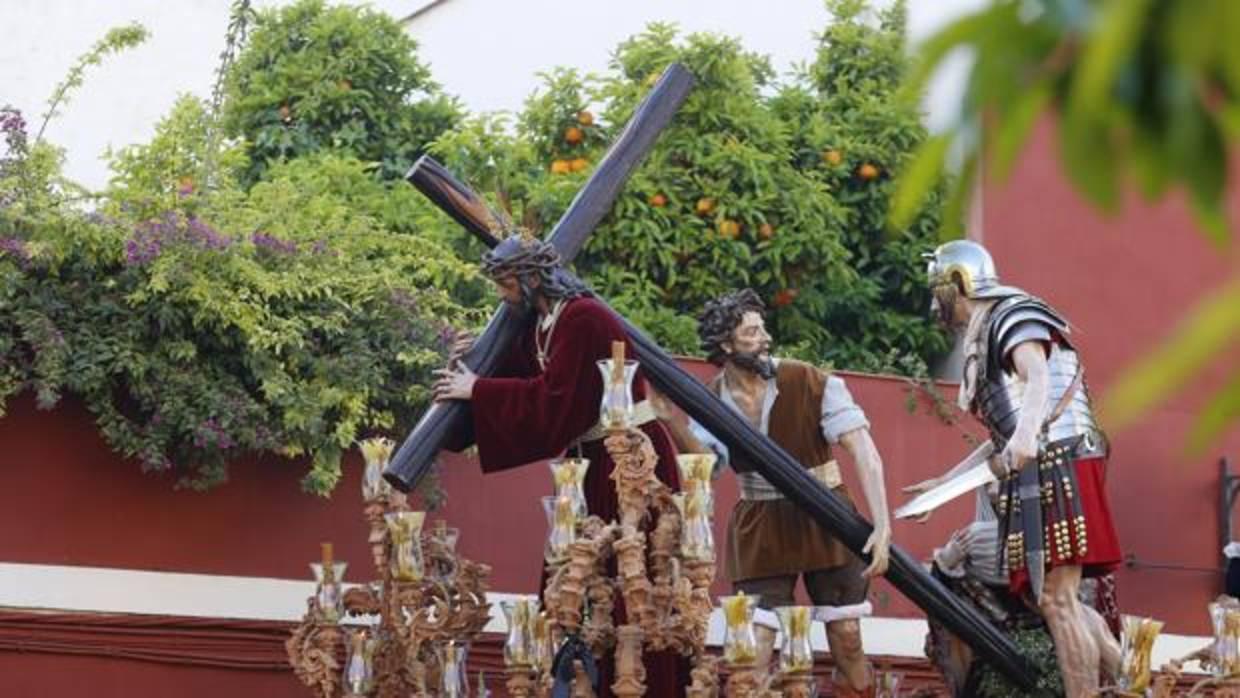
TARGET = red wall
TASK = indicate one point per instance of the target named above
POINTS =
(1124, 282)
(261, 524)
(62, 482)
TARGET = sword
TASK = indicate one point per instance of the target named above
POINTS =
(975, 475)
(1031, 523)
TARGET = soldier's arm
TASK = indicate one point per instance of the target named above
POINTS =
(1030, 364)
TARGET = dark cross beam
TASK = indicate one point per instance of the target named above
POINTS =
(774, 463)
(416, 454)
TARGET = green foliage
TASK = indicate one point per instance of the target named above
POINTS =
(1146, 96)
(738, 190)
(198, 325)
(115, 41)
(314, 76)
(166, 173)
(1036, 645)
(850, 134)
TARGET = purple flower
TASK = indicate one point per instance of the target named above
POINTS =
(205, 236)
(273, 244)
(15, 248)
(446, 335)
(211, 433)
(14, 128)
(149, 238)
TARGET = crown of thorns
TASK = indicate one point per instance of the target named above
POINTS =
(520, 253)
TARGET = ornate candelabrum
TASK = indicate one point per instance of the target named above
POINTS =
(408, 632)
(663, 566)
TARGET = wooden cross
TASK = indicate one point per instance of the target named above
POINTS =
(780, 469)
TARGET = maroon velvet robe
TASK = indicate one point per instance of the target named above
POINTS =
(525, 414)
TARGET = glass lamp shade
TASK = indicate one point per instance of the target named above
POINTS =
(328, 593)
(519, 648)
(359, 675)
(796, 654)
(375, 452)
(453, 681)
(569, 475)
(1136, 647)
(405, 535)
(616, 408)
(740, 647)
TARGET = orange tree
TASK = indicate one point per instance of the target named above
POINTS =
(781, 188)
(314, 76)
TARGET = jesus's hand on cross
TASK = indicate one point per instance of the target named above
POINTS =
(461, 342)
(454, 383)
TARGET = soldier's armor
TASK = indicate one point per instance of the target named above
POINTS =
(1020, 318)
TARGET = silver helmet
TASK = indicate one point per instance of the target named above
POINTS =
(968, 263)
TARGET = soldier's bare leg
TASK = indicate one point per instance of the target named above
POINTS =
(1108, 646)
(1075, 644)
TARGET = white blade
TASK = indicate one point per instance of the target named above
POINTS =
(931, 499)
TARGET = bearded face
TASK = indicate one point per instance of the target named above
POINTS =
(944, 299)
(517, 293)
(750, 348)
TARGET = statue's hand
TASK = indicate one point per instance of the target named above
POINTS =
(923, 486)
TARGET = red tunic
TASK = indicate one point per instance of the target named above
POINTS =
(525, 414)
(1101, 554)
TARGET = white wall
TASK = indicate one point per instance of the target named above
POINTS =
(486, 51)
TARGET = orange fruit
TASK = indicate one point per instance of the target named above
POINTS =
(784, 297)
(286, 114)
(729, 229)
(579, 164)
(867, 171)
(832, 157)
(561, 167)
(704, 206)
(585, 118)
(658, 200)
(766, 231)
(573, 135)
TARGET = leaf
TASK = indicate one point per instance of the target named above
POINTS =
(1212, 326)
(918, 179)
(969, 29)
(952, 225)
(1222, 410)
(1089, 159)
(1014, 129)
(1117, 31)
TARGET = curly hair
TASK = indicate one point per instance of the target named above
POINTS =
(720, 318)
(521, 255)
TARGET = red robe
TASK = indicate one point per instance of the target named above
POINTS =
(526, 414)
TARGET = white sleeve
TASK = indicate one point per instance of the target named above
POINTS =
(840, 414)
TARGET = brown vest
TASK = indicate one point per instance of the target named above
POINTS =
(796, 417)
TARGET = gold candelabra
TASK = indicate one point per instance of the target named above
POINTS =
(406, 633)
